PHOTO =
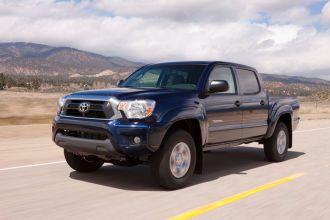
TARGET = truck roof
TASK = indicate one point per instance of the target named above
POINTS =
(206, 63)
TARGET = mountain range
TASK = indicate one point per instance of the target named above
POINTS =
(294, 79)
(38, 59)
(22, 58)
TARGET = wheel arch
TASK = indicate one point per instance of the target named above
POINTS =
(286, 118)
(195, 129)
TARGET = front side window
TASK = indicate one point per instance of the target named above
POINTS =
(224, 73)
(248, 81)
(166, 76)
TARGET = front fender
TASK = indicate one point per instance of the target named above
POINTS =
(166, 120)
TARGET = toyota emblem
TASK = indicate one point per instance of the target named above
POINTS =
(84, 107)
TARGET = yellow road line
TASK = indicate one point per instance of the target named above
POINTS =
(234, 198)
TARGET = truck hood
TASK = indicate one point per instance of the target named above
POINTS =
(126, 93)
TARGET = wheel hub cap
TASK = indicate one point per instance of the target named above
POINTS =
(180, 160)
(281, 142)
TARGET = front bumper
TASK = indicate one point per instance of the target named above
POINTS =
(117, 136)
(102, 147)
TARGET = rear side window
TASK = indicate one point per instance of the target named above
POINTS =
(248, 81)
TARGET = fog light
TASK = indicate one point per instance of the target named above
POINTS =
(137, 140)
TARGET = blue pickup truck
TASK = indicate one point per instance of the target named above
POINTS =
(168, 114)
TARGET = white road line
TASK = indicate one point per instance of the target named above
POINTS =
(31, 165)
(316, 129)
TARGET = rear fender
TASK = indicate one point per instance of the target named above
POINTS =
(274, 116)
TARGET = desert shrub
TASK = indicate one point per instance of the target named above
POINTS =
(2, 81)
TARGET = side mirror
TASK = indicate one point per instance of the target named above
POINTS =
(218, 86)
(120, 82)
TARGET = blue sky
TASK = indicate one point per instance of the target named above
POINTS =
(275, 36)
(316, 7)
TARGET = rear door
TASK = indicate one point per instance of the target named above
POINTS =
(224, 116)
(254, 103)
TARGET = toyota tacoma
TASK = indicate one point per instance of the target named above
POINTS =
(168, 114)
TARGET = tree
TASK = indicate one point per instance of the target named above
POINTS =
(2, 81)
(36, 84)
(10, 82)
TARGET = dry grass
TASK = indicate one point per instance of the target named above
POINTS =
(315, 110)
(315, 107)
(18, 108)
(27, 107)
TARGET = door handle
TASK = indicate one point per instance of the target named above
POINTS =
(238, 103)
(262, 102)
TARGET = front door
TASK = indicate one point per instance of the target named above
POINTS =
(224, 115)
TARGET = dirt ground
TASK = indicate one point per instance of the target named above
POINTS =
(23, 108)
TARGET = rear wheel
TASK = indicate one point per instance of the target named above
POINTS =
(276, 147)
(82, 163)
(174, 163)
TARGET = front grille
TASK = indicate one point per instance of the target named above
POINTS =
(97, 109)
(83, 134)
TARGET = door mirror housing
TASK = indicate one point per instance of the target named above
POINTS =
(119, 82)
(218, 86)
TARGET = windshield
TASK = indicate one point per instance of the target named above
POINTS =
(166, 76)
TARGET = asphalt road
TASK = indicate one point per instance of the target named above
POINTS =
(49, 189)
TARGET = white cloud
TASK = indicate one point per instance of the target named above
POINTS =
(208, 10)
(297, 15)
(326, 13)
(160, 30)
(190, 10)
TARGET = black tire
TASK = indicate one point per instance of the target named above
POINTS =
(81, 163)
(270, 146)
(160, 162)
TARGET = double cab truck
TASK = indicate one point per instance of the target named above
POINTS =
(166, 115)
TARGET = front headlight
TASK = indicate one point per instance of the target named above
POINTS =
(137, 108)
(60, 104)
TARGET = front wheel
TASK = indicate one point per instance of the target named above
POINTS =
(174, 163)
(82, 164)
(276, 147)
